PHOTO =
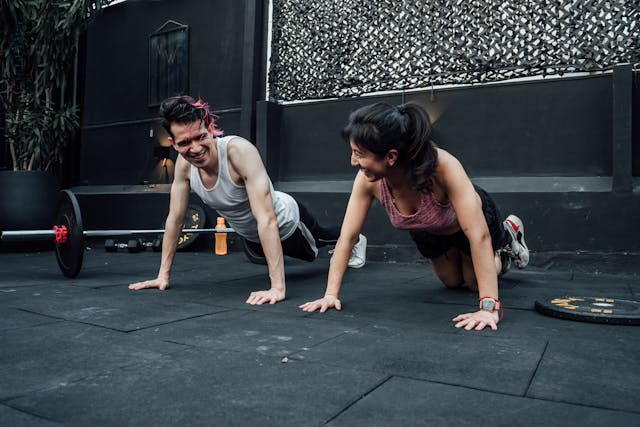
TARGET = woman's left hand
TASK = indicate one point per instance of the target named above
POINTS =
(478, 320)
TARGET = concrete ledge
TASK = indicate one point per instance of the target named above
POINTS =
(498, 184)
(121, 189)
(502, 184)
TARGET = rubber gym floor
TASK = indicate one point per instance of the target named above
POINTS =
(88, 351)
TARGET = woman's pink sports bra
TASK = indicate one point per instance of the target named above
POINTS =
(432, 216)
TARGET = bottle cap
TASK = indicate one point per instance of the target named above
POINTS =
(220, 221)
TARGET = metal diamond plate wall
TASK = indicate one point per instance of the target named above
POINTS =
(337, 48)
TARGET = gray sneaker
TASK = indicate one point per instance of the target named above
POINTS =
(517, 249)
(358, 256)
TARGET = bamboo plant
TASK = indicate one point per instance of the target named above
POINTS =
(38, 59)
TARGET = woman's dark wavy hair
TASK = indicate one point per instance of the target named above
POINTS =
(184, 110)
(407, 128)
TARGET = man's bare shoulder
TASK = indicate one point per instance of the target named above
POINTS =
(240, 151)
(244, 159)
(238, 143)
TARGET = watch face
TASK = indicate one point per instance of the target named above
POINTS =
(488, 304)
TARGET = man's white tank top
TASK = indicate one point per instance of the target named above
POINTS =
(232, 202)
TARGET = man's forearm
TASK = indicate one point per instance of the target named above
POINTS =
(169, 245)
(272, 248)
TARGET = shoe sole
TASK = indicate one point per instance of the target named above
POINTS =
(513, 227)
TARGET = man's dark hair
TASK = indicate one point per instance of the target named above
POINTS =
(184, 110)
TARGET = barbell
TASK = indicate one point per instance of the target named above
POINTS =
(69, 235)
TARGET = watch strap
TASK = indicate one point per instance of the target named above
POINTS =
(497, 307)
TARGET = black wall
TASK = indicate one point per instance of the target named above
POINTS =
(119, 128)
(545, 149)
(562, 152)
(540, 128)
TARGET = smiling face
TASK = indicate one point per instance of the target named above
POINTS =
(372, 166)
(194, 142)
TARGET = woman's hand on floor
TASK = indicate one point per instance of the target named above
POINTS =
(323, 304)
(478, 320)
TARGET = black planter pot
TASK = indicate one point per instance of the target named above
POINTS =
(28, 200)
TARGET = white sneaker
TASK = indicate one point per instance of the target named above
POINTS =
(517, 249)
(358, 256)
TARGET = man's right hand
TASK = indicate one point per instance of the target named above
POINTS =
(323, 304)
(161, 284)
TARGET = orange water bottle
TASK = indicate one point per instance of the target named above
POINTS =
(221, 238)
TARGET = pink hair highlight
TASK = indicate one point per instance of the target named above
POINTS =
(208, 118)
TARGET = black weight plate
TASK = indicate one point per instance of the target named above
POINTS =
(69, 254)
(592, 309)
(193, 218)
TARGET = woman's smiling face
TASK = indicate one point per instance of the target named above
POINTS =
(372, 166)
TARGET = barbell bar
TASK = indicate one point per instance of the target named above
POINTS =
(22, 235)
(69, 234)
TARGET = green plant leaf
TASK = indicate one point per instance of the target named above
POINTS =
(37, 47)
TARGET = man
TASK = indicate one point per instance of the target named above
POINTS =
(229, 176)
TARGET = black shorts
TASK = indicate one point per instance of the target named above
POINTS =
(304, 242)
(298, 245)
(432, 245)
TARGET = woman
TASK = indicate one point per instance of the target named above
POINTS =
(425, 190)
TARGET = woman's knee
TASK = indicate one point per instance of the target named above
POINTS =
(451, 279)
(451, 282)
(448, 269)
(472, 283)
